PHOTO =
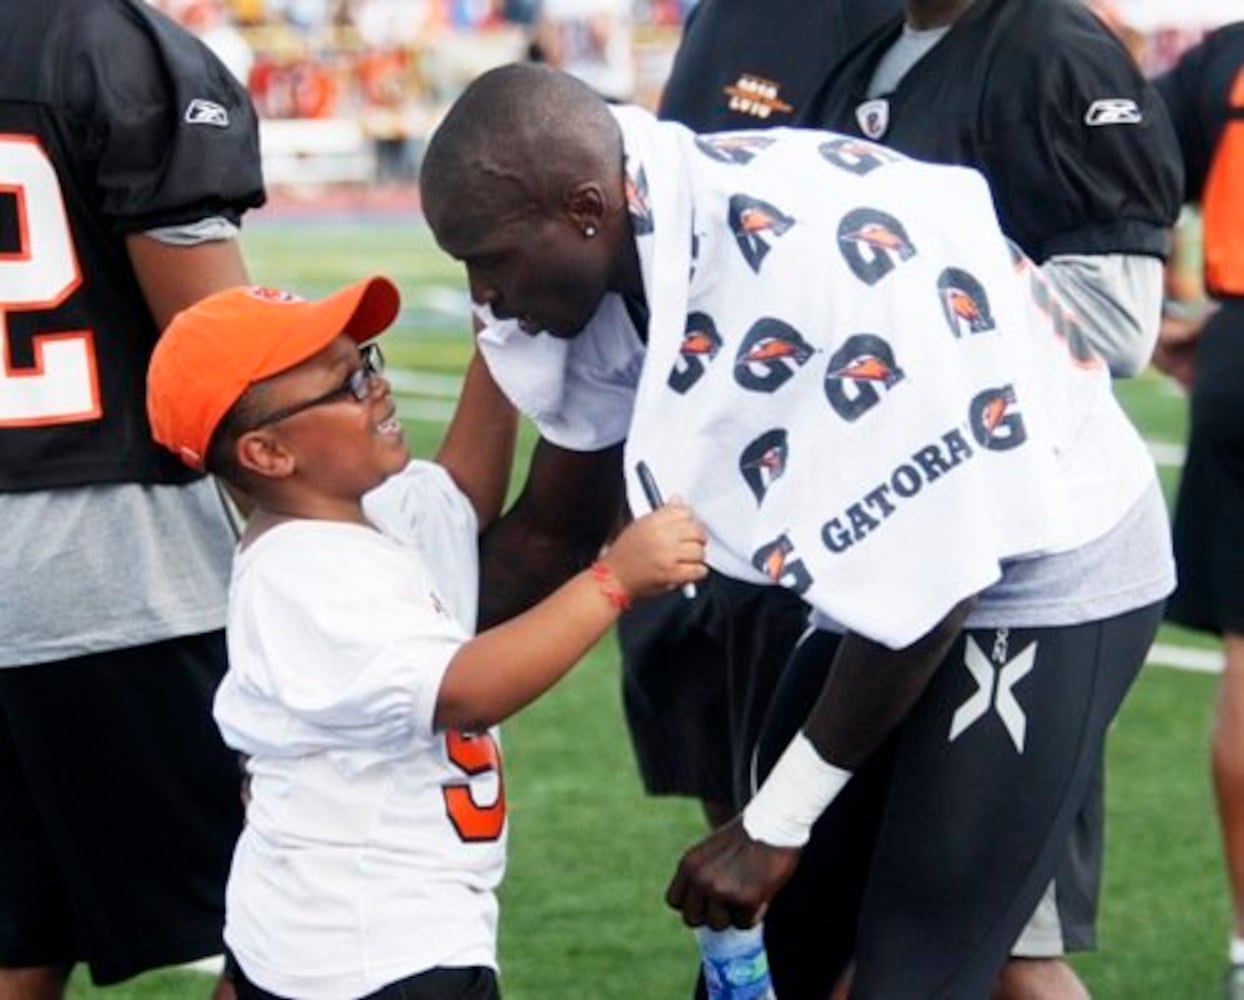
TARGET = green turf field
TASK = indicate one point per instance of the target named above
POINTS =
(582, 917)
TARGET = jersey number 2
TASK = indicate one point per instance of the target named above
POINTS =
(475, 754)
(40, 272)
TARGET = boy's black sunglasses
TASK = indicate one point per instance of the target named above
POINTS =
(357, 384)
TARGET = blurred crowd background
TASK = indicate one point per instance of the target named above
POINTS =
(349, 89)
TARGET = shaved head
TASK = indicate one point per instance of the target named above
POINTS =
(514, 143)
(524, 184)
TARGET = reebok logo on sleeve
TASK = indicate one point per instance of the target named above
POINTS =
(204, 112)
(1113, 111)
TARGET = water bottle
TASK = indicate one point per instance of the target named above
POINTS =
(736, 966)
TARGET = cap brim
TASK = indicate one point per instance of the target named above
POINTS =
(367, 308)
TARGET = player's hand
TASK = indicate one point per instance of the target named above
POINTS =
(1175, 352)
(659, 551)
(729, 879)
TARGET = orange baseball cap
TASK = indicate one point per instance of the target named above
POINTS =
(216, 349)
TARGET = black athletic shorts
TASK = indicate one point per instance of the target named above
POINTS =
(934, 857)
(697, 678)
(119, 809)
(472, 983)
(1209, 514)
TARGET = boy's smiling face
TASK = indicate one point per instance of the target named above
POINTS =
(339, 447)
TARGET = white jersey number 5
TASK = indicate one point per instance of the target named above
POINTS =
(40, 273)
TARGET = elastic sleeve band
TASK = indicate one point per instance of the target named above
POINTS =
(800, 787)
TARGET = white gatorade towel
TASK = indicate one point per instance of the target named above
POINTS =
(865, 392)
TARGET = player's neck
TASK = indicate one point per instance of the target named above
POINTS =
(924, 14)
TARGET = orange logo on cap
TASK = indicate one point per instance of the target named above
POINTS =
(267, 294)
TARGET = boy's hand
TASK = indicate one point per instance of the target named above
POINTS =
(659, 551)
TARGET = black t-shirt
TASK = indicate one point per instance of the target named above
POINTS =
(112, 121)
(1042, 99)
(746, 64)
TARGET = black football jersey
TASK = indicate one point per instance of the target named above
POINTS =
(113, 120)
(745, 64)
(1041, 98)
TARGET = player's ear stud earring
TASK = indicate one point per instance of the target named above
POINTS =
(589, 232)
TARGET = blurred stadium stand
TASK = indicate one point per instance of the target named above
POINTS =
(349, 90)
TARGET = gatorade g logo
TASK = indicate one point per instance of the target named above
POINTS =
(770, 354)
(751, 220)
(964, 303)
(637, 202)
(738, 149)
(995, 423)
(871, 241)
(855, 371)
(700, 344)
(778, 562)
(763, 462)
(856, 155)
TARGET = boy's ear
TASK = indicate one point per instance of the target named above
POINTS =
(261, 453)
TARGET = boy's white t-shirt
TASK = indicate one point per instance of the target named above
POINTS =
(368, 854)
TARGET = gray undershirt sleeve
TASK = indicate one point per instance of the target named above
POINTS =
(191, 234)
(1117, 299)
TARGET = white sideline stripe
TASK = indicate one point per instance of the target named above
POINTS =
(445, 389)
(1165, 453)
(1201, 661)
(449, 387)
(424, 409)
(214, 965)
(424, 383)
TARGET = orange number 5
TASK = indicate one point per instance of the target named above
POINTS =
(474, 754)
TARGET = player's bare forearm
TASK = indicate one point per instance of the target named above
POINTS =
(521, 566)
(870, 689)
(478, 448)
(732, 874)
(568, 508)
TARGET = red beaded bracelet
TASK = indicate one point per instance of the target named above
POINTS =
(610, 586)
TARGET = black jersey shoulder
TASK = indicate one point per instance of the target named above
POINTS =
(756, 63)
(140, 103)
(1044, 101)
(114, 121)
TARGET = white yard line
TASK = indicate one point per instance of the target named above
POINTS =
(444, 389)
(1165, 453)
(424, 383)
(214, 965)
(424, 409)
(1201, 661)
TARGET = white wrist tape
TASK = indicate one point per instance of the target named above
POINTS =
(800, 787)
